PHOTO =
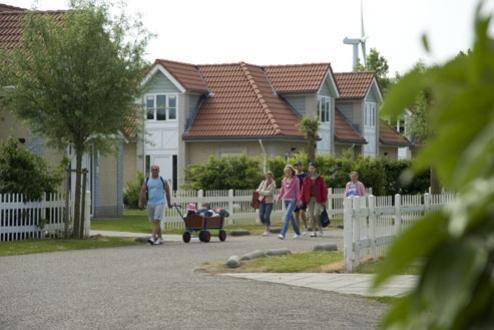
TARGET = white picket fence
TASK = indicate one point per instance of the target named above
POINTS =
(237, 202)
(372, 222)
(31, 219)
(20, 220)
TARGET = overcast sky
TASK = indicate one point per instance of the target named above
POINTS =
(299, 31)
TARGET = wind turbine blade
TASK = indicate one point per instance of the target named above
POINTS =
(362, 19)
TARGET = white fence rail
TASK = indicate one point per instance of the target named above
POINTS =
(31, 220)
(371, 223)
(237, 202)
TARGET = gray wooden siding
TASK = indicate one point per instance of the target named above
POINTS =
(160, 84)
(347, 110)
(325, 89)
(372, 97)
(192, 101)
(297, 102)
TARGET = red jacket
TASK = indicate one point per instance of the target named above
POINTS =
(321, 190)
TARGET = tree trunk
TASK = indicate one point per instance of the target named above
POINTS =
(434, 182)
(311, 150)
(83, 204)
(77, 196)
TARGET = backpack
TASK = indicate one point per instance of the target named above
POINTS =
(162, 181)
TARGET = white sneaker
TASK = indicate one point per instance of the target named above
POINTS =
(158, 242)
(313, 234)
(295, 236)
(151, 240)
(281, 236)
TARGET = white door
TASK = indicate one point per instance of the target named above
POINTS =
(166, 166)
(370, 133)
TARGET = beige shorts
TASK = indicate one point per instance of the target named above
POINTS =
(155, 212)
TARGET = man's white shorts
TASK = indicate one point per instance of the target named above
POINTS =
(155, 212)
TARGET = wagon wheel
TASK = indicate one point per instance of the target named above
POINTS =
(201, 235)
(222, 235)
(207, 236)
(186, 237)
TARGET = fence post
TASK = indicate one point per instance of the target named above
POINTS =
(330, 202)
(397, 214)
(348, 234)
(372, 225)
(200, 198)
(427, 202)
(230, 205)
(357, 224)
(87, 216)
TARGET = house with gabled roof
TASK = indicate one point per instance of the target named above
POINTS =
(359, 104)
(194, 111)
(105, 179)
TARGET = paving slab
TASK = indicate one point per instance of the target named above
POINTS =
(356, 284)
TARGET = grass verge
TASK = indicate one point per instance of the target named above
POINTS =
(135, 221)
(304, 262)
(54, 245)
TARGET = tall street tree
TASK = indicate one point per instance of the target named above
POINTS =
(75, 79)
(376, 63)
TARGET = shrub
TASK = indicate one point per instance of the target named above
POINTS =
(132, 190)
(23, 172)
(239, 172)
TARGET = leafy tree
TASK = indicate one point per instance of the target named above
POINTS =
(310, 126)
(22, 172)
(76, 79)
(376, 63)
(454, 245)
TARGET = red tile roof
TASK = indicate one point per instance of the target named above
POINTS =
(353, 85)
(11, 26)
(388, 136)
(242, 105)
(187, 75)
(300, 78)
(10, 8)
(344, 131)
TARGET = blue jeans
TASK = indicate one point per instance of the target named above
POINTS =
(265, 213)
(289, 208)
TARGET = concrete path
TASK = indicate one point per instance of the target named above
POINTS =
(356, 284)
(155, 287)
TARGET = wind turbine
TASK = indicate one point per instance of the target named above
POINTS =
(356, 41)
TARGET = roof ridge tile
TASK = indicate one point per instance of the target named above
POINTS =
(260, 98)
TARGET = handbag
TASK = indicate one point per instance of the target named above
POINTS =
(325, 221)
(255, 200)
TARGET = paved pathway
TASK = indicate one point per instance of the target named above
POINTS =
(155, 287)
(357, 284)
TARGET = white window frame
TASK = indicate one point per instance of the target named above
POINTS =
(370, 113)
(324, 117)
(154, 96)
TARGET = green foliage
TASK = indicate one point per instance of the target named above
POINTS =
(377, 63)
(456, 244)
(76, 78)
(22, 172)
(132, 191)
(239, 172)
(309, 126)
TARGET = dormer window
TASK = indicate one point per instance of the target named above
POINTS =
(161, 107)
(324, 108)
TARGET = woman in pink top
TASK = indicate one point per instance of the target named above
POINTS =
(289, 193)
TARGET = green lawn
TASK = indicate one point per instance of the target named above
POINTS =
(135, 221)
(53, 245)
(312, 262)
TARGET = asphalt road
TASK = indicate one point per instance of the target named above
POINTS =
(156, 287)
